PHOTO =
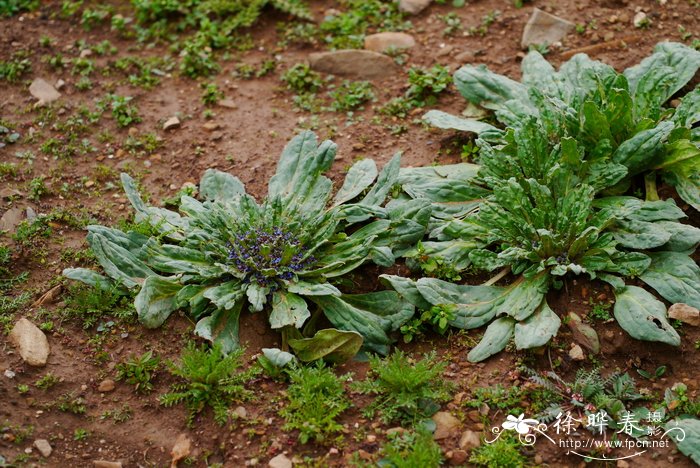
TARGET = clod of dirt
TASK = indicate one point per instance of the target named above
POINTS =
(106, 464)
(446, 425)
(280, 461)
(576, 353)
(11, 219)
(43, 91)
(171, 123)
(181, 449)
(583, 333)
(413, 6)
(685, 313)
(543, 28)
(106, 385)
(31, 342)
(44, 448)
(469, 440)
(456, 457)
(361, 64)
(383, 41)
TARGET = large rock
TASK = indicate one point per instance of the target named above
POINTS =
(280, 461)
(43, 91)
(383, 41)
(413, 6)
(362, 64)
(31, 342)
(685, 313)
(11, 218)
(446, 425)
(543, 28)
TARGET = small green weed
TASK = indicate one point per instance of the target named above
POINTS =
(211, 94)
(209, 378)
(47, 381)
(123, 113)
(15, 68)
(411, 450)
(406, 391)
(69, 403)
(316, 398)
(351, 95)
(139, 371)
(504, 453)
(91, 304)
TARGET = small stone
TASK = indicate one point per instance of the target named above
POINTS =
(413, 6)
(280, 461)
(576, 353)
(9, 374)
(43, 91)
(685, 313)
(171, 123)
(543, 28)
(228, 103)
(469, 440)
(11, 218)
(458, 457)
(583, 333)
(181, 449)
(640, 19)
(106, 464)
(85, 53)
(395, 430)
(371, 438)
(106, 385)
(31, 342)
(445, 425)
(211, 126)
(609, 36)
(44, 448)
(59, 84)
(89, 183)
(622, 464)
(383, 41)
(216, 136)
(240, 412)
(8, 192)
(361, 64)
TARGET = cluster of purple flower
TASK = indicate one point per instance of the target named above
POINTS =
(267, 254)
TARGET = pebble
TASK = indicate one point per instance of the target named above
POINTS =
(685, 313)
(43, 91)
(576, 353)
(44, 448)
(361, 64)
(459, 457)
(106, 385)
(106, 464)
(383, 41)
(280, 461)
(171, 123)
(31, 342)
(228, 103)
(446, 425)
(640, 19)
(543, 28)
(413, 6)
(469, 440)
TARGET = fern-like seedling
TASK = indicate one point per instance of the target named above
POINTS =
(406, 391)
(139, 371)
(209, 378)
(316, 398)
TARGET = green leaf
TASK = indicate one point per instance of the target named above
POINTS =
(217, 185)
(684, 237)
(257, 296)
(497, 336)
(643, 316)
(156, 300)
(359, 177)
(537, 329)
(681, 167)
(475, 305)
(680, 62)
(407, 289)
(225, 295)
(118, 262)
(330, 344)
(313, 289)
(88, 277)
(643, 151)
(485, 88)
(277, 357)
(685, 432)
(688, 112)
(221, 328)
(288, 309)
(447, 121)
(675, 276)
(385, 182)
(640, 235)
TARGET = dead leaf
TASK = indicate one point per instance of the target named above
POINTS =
(49, 297)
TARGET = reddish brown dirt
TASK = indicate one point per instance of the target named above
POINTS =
(252, 136)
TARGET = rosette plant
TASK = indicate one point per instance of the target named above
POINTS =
(626, 123)
(284, 256)
(536, 216)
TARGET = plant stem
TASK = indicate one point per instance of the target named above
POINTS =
(498, 277)
(650, 187)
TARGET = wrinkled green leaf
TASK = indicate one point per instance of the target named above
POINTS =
(497, 336)
(331, 345)
(288, 309)
(156, 300)
(221, 328)
(643, 316)
(217, 185)
(359, 177)
(675, 276)
(685, 432)
(537, 329)
(88, 277)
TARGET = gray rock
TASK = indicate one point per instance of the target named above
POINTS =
(31, 342)
(44, 448)
(171, 123)
(446, 425)
(413, 6)
(383, 41)
(685, 313)
(469, 440)
(280, 461)
(11, 218)
(43, 91)
(106, 464)
(361, 64)
(543, 28)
